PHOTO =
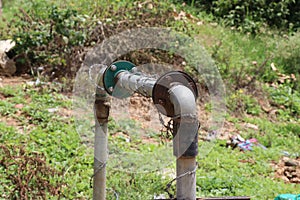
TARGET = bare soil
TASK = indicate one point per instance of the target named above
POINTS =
(288, 169)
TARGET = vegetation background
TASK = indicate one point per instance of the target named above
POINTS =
(255, 44)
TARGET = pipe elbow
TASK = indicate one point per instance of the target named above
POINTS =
(186, 122)
(183, 99)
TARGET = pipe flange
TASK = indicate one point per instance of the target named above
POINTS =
(160, 93)
(110, 78)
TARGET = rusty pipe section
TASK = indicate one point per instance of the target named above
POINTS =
(101, 112)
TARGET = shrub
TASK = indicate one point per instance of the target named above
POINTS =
(251, 15)
(287, 57)
(48, 39)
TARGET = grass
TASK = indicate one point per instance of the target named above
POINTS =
(54, 135)
(223, 172)
(34, 118)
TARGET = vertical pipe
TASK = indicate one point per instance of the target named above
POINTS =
(185, 141)
(101, 109)
(186, 185)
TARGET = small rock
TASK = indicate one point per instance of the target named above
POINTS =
(160, 196)
(200, 23)
(285, 179)
(7, 66)
(252, 126)
(290, 163)
(30, 83)
(19, 106)
(214, 24)
(254, 62)
(273, 67)
(150, 6)
(6, 45)
(52, 110)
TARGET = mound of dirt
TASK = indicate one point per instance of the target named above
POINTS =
(288, 169)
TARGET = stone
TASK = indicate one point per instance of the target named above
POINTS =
(7, 66)
(6, 45)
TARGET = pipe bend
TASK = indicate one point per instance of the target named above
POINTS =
(183, 100)
(186, 124)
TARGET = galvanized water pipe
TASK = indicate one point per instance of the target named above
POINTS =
(136, 83)
(101, 111)
(185, 142)
(174, 95)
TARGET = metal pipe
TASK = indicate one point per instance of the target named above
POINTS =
(101, 112)
(136, 83)
(185, 140)
(172, 93)
(185, 127)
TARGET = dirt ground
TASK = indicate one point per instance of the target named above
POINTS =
(288, 169)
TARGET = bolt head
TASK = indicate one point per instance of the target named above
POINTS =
(113, 68)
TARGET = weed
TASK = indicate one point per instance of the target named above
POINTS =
(287, 97)
(28, 174)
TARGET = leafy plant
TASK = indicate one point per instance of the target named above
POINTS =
(251, 16)
(241, 103)
(48, 40)
(287, 97)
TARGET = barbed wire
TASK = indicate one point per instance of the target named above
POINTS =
(98, 168)
(101, 166)
(168, 186)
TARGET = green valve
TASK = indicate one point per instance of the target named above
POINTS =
(110, 80)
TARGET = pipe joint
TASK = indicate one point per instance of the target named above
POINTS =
(163, 88)
(102, 108)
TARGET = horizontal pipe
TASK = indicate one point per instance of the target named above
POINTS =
(136, 83)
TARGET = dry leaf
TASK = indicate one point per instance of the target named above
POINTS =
(293, 77)
(150, 6)
(179, 16)
(189, 16)
(273, 67)
(19, 106)
(200, 23)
